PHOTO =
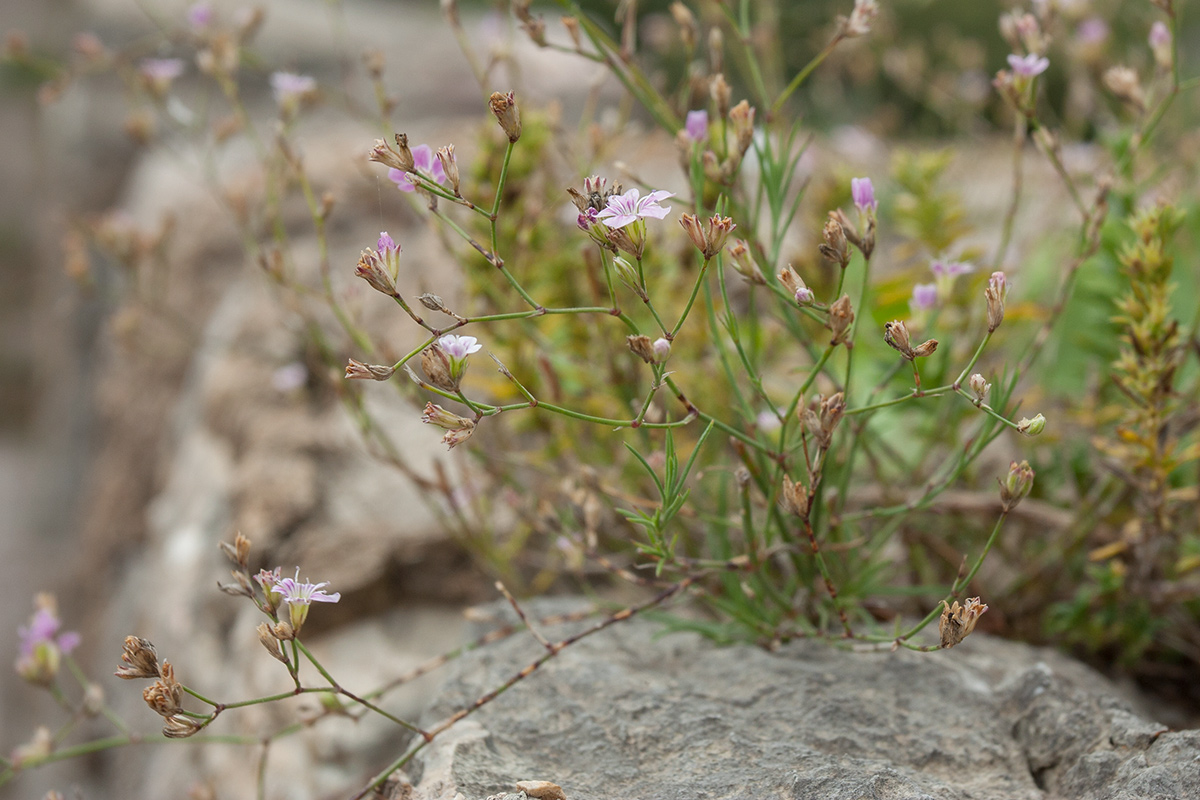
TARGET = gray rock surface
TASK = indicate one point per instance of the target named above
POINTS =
(629, 714)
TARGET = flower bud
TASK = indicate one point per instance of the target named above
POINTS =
(979, 387)
(239, 551)
(504, 106)
(791, 280)
(1016, 485)
(957, 621)
(446, 420)
(743, 263)
(628, 275)
(689, 30)
(436, 366)
(93, 700)
(1032, 427)
(267, 637)
(662, 349)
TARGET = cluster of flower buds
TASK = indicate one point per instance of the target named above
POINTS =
(1016, 485)
(655, 352)
(957, 621)
(458, 429)
(895, 333)
(710, 238)
(795, 285)
(820, 417)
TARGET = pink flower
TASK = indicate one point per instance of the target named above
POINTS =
(863, 194)
(200, 15)
(425, 163)
(924, 297)
(623, 209)
(290, 88)
(1160, 35)
(697, 125)
(299, 596)
(950, 269)
(1029, 66)
(459, 347)
(42, 646)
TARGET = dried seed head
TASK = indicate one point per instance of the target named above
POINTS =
(449, 163)
(268, 639)
(741, 119)
(372, 269)
(689, 30)
(1016, 486)
(895, 333)
(836, 248)
(743, 263)
(721, 94)
(995, 293)
(925, 348)
(436, 365)
(1125, 84)
(504, 106)
(794, 497)
(181, 727)
(357, 370)
(140, 659)
(454, 438)
(642, 347)
(239, 551)
(381, 153)
(841, 316)
(957, 621)
(165, 695)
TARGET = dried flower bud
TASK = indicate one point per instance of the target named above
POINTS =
(372, 269)
(831, 411)
(709, 239)
(241, 586)
(979, 387)
(1016, 485)
(504, 106)
(848, 229)
(93, 700)
(895, 333)
(1125, 84)
(408, 162)
(957, 621)
(794, 497)
(716, 49)
(689, 31)
(283, 631)
(436, 365)
(835, 247)
(572, 26)
(450, 166)
(140, 660)
(446, 420)
(239, 551)
(621, 239)
(925, 348)
(641, 347)
(721, 93)
(1032, 427)
(743, 263)
(791, 280)
(996, 292)
(357, 370)
(181, 727)
(381, 153)
(841, 316)
(268, 639)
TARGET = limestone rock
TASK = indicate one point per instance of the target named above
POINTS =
(628, 714)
